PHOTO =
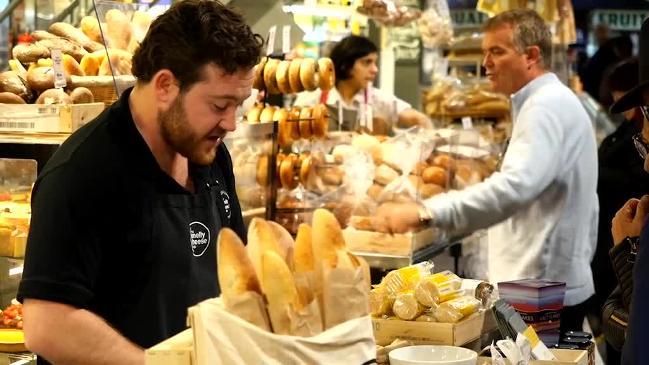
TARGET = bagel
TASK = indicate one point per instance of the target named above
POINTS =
(320, 121)
(258, 83)
(283, 128)
(270, 79)
(267, 114)
(287, 172)
(294, 76)
(326, 73)
(254, 113)
(282, 77)
(306, 166)
(305, 123)
(262, 171)
(308, 74)
(293, 123)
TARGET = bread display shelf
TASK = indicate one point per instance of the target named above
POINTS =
(472, 113)
(35, 118)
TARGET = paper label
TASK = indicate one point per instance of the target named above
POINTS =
(286, 39)
(467, 123)
(271, 40)
(59, 75)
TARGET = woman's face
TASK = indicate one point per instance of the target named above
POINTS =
(364, 70)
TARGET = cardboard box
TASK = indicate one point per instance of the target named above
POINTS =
(434, 333)
(36, 118)
(564, 357)
(177, 350)
(389, 244)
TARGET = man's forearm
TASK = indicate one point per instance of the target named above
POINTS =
(412, 117)
(66, 335)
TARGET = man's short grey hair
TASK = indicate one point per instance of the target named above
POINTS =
(529, 30)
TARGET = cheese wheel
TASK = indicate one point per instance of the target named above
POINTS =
(326, 73)
(270, 73)
(294, 76)
(308, 74)
(258, 82)
(294, 123)
(282, 77)
(305, 123)
(320, 121)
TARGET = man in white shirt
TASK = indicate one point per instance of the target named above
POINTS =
(542, 205)
(354, 59)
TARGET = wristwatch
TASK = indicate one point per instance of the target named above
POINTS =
(633, 243)
(425, 216)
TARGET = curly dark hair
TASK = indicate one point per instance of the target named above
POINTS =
(191, 34)
(347, 51)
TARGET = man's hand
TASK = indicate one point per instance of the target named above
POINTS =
(397, 217)
(628, 221)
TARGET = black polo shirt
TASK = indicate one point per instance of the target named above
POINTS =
(90, 242)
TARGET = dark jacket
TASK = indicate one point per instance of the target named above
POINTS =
(615, 316)
(637, 339)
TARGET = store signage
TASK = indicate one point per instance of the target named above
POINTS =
(406, 42)
(628, 20)
(467, 18)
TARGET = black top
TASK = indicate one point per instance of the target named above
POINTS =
(102, 237)
(635, 347)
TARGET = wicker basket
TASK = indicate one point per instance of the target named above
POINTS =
(103, 87)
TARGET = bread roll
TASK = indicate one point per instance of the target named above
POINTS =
(375, 191)
(10, 98)
(435, 175)
(332, 176)
(117, 63)
(327, 238)
(262, 170)
(66, 47)
(261, 238)
(282, 77)
(90, 27)
(140, 26)
(416, 181)
(308, 74)
(258, 82)
(267, 114)
(54, 96)
(71, 66)
(320, 122)
(43, 34)
(235, 270)
(466, 176)
(303, 260)
(11, 82)
(287, 172)
(294, 76)
(90, 63)
(429, 190)
(82, 95)
(385, 174)
(294, 123)
(118, 29)
(270, 76)
(305, 123)
(444, 161)
(456, 309)
(42, 78)
(253, 115)
(76, 36)
(281, 292)
(419, 168)
(326, 73)
(27, 53)
(361, 223)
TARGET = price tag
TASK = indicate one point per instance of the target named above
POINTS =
(467, 123)
(271, 40)
(59, 75)
(286, 39)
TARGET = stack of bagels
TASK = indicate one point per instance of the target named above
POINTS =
(294, 76)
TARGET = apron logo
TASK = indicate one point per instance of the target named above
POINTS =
(226, 203)
(199, 238)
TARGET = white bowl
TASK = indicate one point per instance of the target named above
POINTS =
(437, 355)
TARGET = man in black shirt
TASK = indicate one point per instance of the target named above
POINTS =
(127, 212)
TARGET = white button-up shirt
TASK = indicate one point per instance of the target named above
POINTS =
(542, 206)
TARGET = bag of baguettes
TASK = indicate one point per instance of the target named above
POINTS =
(281, 300)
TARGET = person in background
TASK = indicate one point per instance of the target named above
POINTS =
(621, 177)
(126, 214)
(541, 206)
(630, 229)
(355, 63)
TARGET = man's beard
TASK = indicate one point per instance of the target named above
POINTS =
(178, 134)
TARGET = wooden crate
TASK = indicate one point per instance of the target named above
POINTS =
(177, 350)
(564, 357)
(388, 244)
(433, 333)
(33, 118)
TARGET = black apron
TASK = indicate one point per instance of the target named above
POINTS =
(185, 231)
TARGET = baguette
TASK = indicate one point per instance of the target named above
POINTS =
(118, 29)
(303, 260)
(75, 35)
(261, 239)
(66, 47)
(281, 292)
(90, 27)
(28, 53)
(235, 270)
(327, 238)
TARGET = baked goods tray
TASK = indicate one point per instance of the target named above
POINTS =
(389, 262)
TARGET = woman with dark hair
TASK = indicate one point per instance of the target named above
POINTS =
(354, 60)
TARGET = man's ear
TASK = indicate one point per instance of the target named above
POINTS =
(165, 87)
(533, 56)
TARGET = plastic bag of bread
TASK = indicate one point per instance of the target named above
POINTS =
(406, 306)
(437, 288)
(381, 302)
(405, 278)
(454, 310)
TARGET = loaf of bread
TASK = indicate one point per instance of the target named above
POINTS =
(82, 95)
(303, 260)
(141, 23)
(281, 292)
(75, 35)
(42, 78)
(385, 174)
(284, 241)
(28, 53)
(43, 34)
(66, 47)
(456, 309)
(90, 63)
(54, 96)
(71, 66)
(380, 302)
(261, 238)
(11, 82)
(117, 63)
(327, 238)
(90, 27)
(235, 270)
(10, 98)
(429, 190)
(118, 29)
(406, 306)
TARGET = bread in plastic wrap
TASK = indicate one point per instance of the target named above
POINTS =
(456, 309)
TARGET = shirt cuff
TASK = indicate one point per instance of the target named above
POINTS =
(440, 209)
